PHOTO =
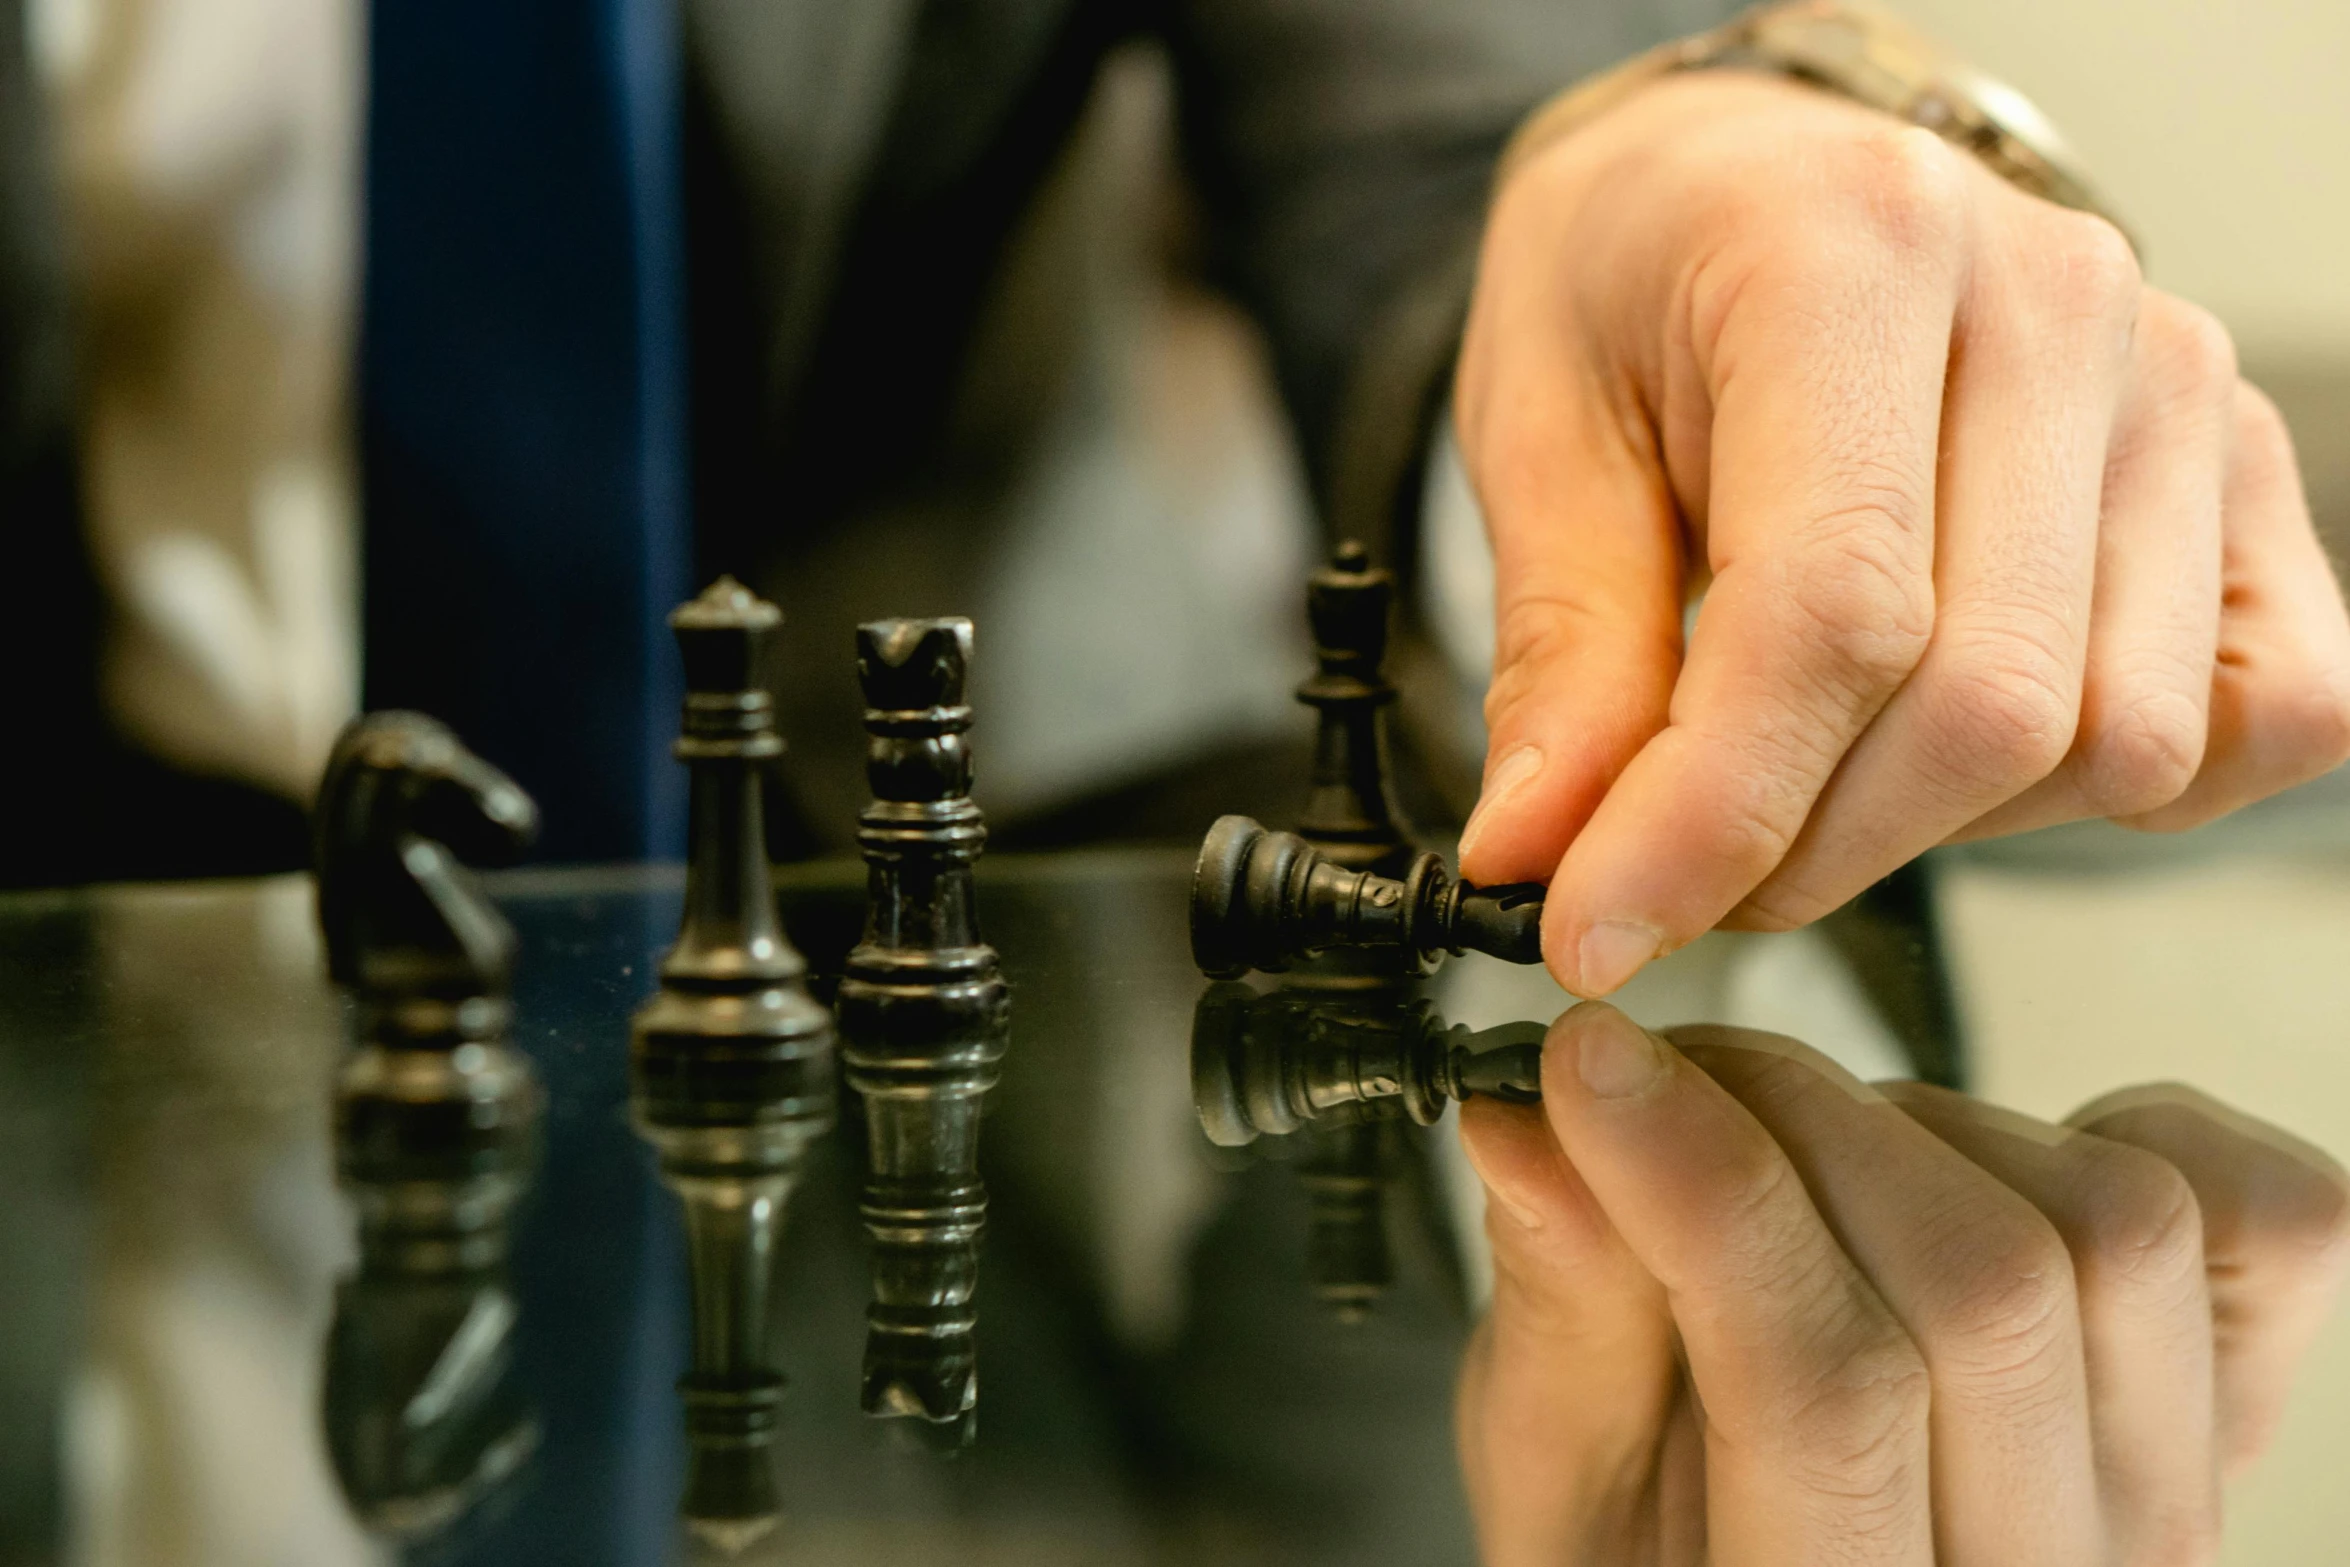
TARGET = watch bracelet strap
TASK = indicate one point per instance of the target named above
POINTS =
(1937, 94)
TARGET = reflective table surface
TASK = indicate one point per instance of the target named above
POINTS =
(197, 1369)
(1190, 1349)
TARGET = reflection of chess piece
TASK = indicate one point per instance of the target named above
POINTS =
(1278, 1062)
(1262, 900)
(923, 1020)
(422, 1414)
(435, 1124)
(730, 1068)
(1341, 1071)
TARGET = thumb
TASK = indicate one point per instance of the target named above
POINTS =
(1588, 567)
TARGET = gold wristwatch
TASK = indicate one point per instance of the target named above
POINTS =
(1858, 51)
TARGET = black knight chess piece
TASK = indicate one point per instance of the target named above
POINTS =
(436, 1122)
(731, 1072)
(1263, 900)
(923, 1013)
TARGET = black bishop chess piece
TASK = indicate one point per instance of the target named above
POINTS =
(435, 1121)
(923, 1015)
(731, 1073)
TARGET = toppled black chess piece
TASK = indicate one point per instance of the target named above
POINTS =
(1273, 1063)
(731, 1075)
(1351, 814)
(923, 1014)
(1263, 900)
(435, 1122)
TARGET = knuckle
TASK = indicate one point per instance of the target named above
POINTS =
(1862, 604)
(2141, 754)
(2007, 1303)
(2314, 724)
(1908, 185)
(1858, 1432)
(2004, 718)
(2185, 344)
(2140, 1227)
(2087, 271)
(2263, 441)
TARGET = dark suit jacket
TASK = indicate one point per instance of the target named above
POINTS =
(854, 167)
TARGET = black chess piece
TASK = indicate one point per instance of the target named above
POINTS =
(435, 1119)
(731, 1074)
(923, 1013)
(1277, 1062)
(1263, 900)
(1351, 813)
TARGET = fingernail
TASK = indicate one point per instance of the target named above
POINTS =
(1511, 774)
(1611, 952)
(1617, 1058)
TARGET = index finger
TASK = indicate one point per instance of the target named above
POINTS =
(1824, 360)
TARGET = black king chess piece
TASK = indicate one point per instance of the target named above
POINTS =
(730, 1067)
(435, 1119)
(923, 1017)
(1263, 900)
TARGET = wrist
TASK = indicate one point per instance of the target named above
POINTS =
(1854, 50)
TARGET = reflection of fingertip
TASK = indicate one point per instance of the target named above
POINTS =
(1509, 1147)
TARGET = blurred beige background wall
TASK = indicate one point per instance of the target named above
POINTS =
(2222, 129)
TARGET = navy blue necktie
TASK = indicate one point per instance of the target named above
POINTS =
(523, 399)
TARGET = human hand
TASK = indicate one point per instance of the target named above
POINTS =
(1995, 536)
(1760, 1313)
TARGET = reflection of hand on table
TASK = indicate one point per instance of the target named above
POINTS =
(1759, 1312)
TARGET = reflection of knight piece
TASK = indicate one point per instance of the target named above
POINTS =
(730, 1068)
(1263, 900)
(435, 1149)
(435, 1123)
(1274, 1063)
(923, 1021)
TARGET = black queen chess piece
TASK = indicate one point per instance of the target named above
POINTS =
(731, 1068)
(435, 1124)
(924, 1018)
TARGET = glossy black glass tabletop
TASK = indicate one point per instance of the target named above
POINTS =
(1234, 1349)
